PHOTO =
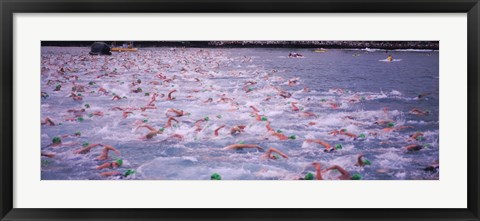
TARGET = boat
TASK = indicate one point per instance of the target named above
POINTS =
(319, 50)
(124, 49)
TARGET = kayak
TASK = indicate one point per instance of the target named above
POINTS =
(321, 51)
(124, 49)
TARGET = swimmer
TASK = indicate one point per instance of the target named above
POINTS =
(216, 130)
(48, 122)
(344, 174)
(237, 129)
(294, 107)
(112, 165)
(397, 128)
(126, 113)
(178, 113)
(280, 136)
(153, 132)
(318, 171)
(362, 162)
(106, 149)
(241, 146)
(433, 167)
(170, 95)
(116, 97)
(254, 109)
(76, 97)
(343, 132)
(49, 155)
(308, 114)
(87, 148)
(271, 154)
(419, 112)
(327, 146)
(148, 107)
(423, 95)
(269, 128)
(389, 58)
(198, 126)
(97, 113)
(110, 173)
(415, 136)
(414, 147)
(169, 122)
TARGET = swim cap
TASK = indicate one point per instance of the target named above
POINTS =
(87, 105)
(91, 83)
(119, 162)
(215, 176)
(367, 162)
(56, 140)
(80, 119)
(85, 144)
(145, 120)
(139, 89)
(391, 124)
(92, 92)
(161, 129)
(242, 142)
(338, 146)
(206, 118)
(219, 116)
(361, 136)
(292, 137)
(90, 115)
(309, 176)
(264, 118)
(129, 172)
(343, 130)
(279, 131)
(139, 81)
(356, 177)
(78, 133)
(420, 138)
(125, 97)
(147, 94)
(362, 98)
(79, 94)
(58, 87)
(323, 100)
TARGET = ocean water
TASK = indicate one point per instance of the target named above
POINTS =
(347, 89)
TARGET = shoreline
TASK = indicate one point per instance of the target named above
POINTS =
(375, 45)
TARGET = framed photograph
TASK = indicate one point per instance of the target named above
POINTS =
(261, 110)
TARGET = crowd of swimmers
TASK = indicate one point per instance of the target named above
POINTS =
(110, 166)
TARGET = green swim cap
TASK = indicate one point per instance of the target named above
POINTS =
(343, 130)
(356, 177)
(58, 87)
(362, 98)
(391, 124)
(367, 162)
(161, 129)
(56, 140)
(85, 144)
(309, 176)
(206, 118)
(292, 137)
(90, 115)
(79, 94)
(92, 92)
(219, 116)
(242, 142)
(91, 83)
(139, 89)
(139, 81)
(420, 138)
(279, 131)
(361, 136)
(129, 172)
(215, 176)
(80, 119)
(323, 100)
(145, 120)
(78, 133)
(124, 97)
(338, 146)
(119, 162)
(264, 118)
(87, 105)
(147, 94)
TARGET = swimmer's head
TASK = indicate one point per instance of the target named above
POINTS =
(119, 162)
(390, 124)
(78, 133)
(356, 177)
(292, 137)
(338, 146)
(128, 172)
(264, 118)
(147, 94)
(56, 140)
(367, 162)
(308, 176)
(215, 176)
(206, 118)
(87, 105)
(85, 144)
(343, 130)
(361, 136)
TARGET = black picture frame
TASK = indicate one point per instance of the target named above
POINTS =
(9, 7)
